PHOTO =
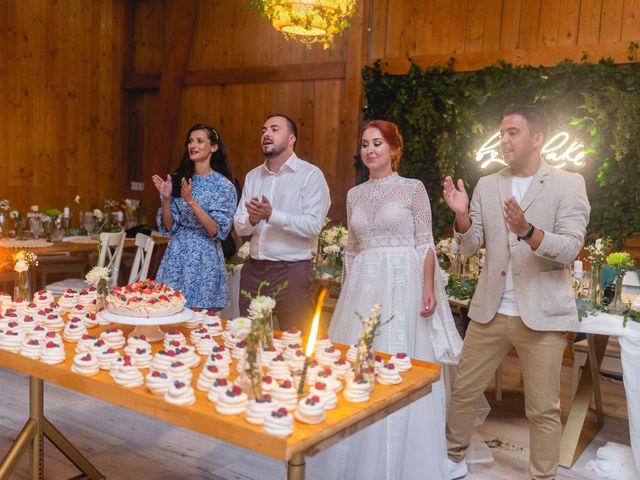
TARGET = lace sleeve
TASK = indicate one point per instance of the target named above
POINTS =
(422, 221)
(353, 246)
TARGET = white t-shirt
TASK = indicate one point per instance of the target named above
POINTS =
(508, 303)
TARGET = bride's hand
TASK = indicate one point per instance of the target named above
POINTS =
(429, 302)
(164, 186)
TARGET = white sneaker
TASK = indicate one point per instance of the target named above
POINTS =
(457, 470)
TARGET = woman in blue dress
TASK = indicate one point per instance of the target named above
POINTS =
(198, 203)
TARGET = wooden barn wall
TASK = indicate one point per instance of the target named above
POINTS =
(234, 41)
(79, 80)
(60, 102)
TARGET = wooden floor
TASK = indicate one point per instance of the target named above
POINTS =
(126, 445)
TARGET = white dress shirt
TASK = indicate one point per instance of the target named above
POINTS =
(299, 197)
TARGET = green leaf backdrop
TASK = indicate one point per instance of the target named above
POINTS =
(445, 117)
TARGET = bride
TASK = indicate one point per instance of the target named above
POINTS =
(390, 259)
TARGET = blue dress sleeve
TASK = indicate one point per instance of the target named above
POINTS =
(224, 207)
(176, 219)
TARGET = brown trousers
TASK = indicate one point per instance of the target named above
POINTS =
(294, 305)
(485, 345)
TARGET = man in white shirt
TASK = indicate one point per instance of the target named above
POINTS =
(283, 205)
(532, 219)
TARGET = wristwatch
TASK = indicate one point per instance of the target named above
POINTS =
(529, 233)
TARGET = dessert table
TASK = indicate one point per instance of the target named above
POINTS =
(306, 440)
(578, 432)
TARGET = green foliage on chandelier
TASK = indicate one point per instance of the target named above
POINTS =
(445, 117)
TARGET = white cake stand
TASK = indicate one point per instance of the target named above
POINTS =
(149, 327)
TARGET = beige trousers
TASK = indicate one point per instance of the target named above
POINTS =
(485, 345)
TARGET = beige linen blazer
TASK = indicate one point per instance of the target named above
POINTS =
(555, 202)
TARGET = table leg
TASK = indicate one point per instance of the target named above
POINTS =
(295, 468)
(32, 435)
(572, 444)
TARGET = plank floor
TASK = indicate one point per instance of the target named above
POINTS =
(128, 446)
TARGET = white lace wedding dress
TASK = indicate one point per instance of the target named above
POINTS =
(389, 222)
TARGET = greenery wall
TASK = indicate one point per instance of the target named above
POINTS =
(445, 117)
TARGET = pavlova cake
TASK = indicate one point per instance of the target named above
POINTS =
(145, 299)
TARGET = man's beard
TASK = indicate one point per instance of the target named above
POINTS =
(277, 150)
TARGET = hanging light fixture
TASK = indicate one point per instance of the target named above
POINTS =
(307, 21)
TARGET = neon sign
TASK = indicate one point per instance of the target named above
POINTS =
(559, 151)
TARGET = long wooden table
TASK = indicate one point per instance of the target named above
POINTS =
(77, 247)
(307, 440)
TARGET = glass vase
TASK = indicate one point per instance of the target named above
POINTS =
(365, 365)
(616, 306)
(456, 265)
(595, 288)
(22, 288)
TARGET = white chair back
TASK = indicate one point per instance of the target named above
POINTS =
(111, 246)
(142, 260)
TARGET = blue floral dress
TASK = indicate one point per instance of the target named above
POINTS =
(193, 261)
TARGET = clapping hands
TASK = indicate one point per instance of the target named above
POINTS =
(165, 187)
(258, 209)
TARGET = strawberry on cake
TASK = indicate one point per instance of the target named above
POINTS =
(145, 299)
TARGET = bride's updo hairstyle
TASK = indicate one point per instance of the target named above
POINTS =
(391, 135)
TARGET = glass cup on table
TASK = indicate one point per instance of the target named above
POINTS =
(89, 222)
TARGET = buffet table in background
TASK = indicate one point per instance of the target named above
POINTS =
(578, 432)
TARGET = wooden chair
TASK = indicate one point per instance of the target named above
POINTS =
(142, 260)
(110, 256)
(59, 264)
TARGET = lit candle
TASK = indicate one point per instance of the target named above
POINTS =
(577, 266)
(313, 334)
(66, 213)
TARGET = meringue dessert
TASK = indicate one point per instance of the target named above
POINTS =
(279, 422)
(285, 394)
(258, 409)
(310, 410)
(208, 375)
(128, 375)
(232, 402)
(53, 353)
(402, 361)
(218, 387)
(114, 337)
(85, 364)
(31, 348)
(388, 375)
(358, 390)
(180, 393)
(158, 382)
(291, 336)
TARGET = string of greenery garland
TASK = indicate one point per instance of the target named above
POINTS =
(444, 118)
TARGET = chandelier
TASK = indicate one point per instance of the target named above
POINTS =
(307, 21)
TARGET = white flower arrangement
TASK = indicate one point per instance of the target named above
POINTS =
(98, 214)
(261, 306)
(14, 214)
(5, 205)
(244, 251)
(77, 199)
(23, 260)
(96, 274)
(597, 253)
(448, 246)
(331, 244)
(34, 208)
(240, 327)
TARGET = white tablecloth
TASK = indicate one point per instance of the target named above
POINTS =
(606, 324)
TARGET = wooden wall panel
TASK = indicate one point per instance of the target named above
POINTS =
(232, 44)
(60, 134)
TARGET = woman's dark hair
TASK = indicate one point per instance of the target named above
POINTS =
(218, 160)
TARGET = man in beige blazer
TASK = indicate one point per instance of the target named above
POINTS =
(532, 219)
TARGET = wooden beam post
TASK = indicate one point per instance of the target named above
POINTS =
(181, 15)
(352, 101)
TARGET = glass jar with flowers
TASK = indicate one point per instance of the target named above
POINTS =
(22, 261)
(98, 277)
(596, 254)
(364, 364)
(622, 262)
